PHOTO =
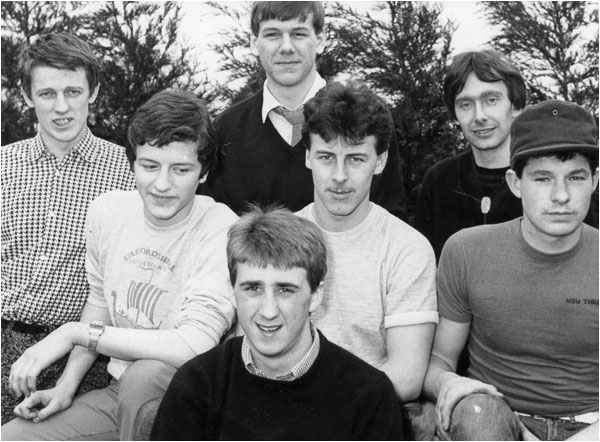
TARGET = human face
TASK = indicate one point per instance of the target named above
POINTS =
(342, 175)
(273, 307)
(287, 51)
(556, 198)
(485, 114)
(167, 178)
(61, 98)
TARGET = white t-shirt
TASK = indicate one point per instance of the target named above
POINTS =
(153, 277)
(380, 274)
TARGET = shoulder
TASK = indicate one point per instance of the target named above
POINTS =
(350, 369)
(16, 150)
(237, 110)
(213, 213)
(397, 232)
(214, 362)
(472, 238)
(589, 236)
(448, 167)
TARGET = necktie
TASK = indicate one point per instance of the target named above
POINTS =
(295, 118)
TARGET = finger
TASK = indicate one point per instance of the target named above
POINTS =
(47, 411)
(27, 409)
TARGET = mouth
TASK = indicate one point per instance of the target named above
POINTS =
(561, 214)
(268, 330)
(161, 199)
(484, 131)
(340, 193)
(62, 122)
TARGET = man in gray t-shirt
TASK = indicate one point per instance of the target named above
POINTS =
(524, 294)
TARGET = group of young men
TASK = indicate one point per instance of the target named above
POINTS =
(343, 330)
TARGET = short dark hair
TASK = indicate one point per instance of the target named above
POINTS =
(263, 11)
(520, 163)
(275, 236)
(58, 50)
(488, 66)
(173, 115)
(350, 111)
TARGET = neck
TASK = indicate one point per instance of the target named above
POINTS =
(549, 244)
(492, 159)
(292, 96)
(59, 149)
(340, 223)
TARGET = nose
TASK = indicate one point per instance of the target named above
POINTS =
(287, 45)
(268, 306)
(340, 174)
(60, 104)
(163, 182)
(560, 192)
(480, 114)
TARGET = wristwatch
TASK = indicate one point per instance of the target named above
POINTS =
(95, 329)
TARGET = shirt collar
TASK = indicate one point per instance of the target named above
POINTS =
(296, 371)
(86, 148)
(270, 102)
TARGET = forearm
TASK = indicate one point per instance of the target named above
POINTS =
(133, 344)
(79, 363)
(407, 384)
(438, 372)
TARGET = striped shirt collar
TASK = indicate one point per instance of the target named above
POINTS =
(86, 148)
(296, 371)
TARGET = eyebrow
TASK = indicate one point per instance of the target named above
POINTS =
(545, 172)
(481, 95)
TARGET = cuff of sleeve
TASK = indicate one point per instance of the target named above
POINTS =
(411, 318)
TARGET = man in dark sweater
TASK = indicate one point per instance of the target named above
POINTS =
(484, 92)
(261, 154)
(283, 380)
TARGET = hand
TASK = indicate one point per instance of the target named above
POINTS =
(524, 432)
(453, 389)
(25, 371)
(44, 403)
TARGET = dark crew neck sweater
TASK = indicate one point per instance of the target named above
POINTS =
(214, 397)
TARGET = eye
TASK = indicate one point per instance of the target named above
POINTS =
(271, 35)
(464, 105)
(299, 34)
(72, 92)
(542, 179)
(357, 160)
(324, 157)
(285, 290)
(181, 170)
(577, 178)
(45, 94)
(149, 167)
(492, 100)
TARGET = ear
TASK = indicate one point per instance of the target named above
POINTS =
(381, 161)
(307, 159)
(515, 112)
(595, 180)
(321, 42)
(203, 178)
(315, 298)
(28, 100)
(94, 94)
(514, 182)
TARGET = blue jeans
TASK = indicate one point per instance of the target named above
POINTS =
(487, 417)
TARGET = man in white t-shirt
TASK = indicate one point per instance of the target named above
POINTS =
(379, 301)
(159, 288)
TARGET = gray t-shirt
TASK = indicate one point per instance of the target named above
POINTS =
(534, 316)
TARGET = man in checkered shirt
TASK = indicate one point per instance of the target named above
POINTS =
(48, 182)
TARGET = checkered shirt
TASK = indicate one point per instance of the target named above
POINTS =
(44, 203)
(296, 371)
